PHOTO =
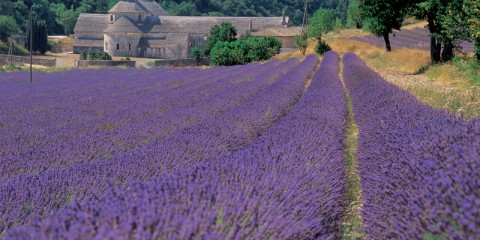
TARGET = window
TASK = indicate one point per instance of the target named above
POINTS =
(129, 46)
(118, 46)
(111, 18)
(191, 44)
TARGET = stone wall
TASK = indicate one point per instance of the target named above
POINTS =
(18, 60)
(81, 49)
(182, 62)
(103, 63)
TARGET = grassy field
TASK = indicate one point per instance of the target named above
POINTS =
(453, 86)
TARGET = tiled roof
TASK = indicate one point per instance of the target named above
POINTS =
(202, 25)
(128, 7)
(154, 8)
(281, 32)
(95, 23)
(123, 25)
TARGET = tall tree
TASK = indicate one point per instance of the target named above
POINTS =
(39, 35)
(354, 19)
(383, 16)
(434, 11)
(322, 22)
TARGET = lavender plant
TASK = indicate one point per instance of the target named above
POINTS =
(287, 184)
(419, 167)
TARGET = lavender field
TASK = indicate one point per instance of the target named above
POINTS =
(244, 152)
(411, 38)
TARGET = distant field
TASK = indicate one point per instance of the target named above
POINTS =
(409, 38)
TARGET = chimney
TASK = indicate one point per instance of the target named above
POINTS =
(250, 27)
(284, 22)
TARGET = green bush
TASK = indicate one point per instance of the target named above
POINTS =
(83, 56)
(95, 55)
(244, 51)
(322, 47)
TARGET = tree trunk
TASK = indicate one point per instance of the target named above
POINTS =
(477, 48)
(447, 53)
(386, 37)
(435, 46)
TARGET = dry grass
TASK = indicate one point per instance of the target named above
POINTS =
(402, 60)
(440, 86)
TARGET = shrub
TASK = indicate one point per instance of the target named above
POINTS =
(96, 55)
(244, 51)
(83, 56)
(322, 47)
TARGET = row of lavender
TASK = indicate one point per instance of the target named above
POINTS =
(234, 118)
(419, 167)
(87, 120)
(412, 38)
(288, 184)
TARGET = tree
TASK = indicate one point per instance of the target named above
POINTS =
(228, 53)
(225, 32)
(8, 26)
(197, 54)
(301, 42)
(40, 36)
(462, 22)
(322, 22)
(381, 17)
(353, 16)
(261, 48)
(434, 11)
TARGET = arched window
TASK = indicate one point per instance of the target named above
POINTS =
(111, 17)
(118, 46)
(129, 46)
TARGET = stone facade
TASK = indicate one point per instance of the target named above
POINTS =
(142, 28)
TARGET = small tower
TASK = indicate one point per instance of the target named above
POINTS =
(284, 22)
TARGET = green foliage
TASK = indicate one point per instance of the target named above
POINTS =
(469, 67)
(301, 42)
(244, 51)
(354, 20)
(227, 54)
(83, 56)
(262, 48)
(338, 23)
(95, 55)
(322, 47)
(8, 27)
(225, 32)
(196, 53)
(322, 22)
(381, 17)
(462, 22)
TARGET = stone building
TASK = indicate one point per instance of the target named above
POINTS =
(142, 28)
